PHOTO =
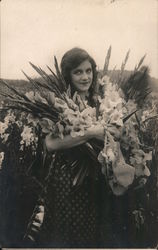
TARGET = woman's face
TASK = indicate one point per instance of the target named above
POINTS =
(82, 77)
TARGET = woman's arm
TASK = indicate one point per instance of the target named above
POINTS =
(53, 143)
(97, 132)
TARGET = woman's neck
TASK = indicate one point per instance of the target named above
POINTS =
(83, 95)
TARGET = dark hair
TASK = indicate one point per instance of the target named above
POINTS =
(72, 59)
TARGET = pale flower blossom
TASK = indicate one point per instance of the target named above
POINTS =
(138, 160)
(30, 95)
(77, 133)
(27, 137)
(3, 127)
(10, 118)
(35, 97)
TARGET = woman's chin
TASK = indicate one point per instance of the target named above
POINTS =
(83, 89)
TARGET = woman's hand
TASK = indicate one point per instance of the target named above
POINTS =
(114, 131)
(96, 132)
(99, 131)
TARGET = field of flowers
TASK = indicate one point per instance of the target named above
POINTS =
(132, 216)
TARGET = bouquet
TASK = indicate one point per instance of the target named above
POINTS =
(51, 107)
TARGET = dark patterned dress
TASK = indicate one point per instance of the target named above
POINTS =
(73, 216)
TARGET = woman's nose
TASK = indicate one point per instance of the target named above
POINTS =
(84, 76)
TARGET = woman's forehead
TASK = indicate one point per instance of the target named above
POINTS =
(84, 65)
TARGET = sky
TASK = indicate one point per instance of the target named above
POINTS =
(38, 30)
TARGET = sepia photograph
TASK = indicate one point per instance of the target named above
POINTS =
(79, 124)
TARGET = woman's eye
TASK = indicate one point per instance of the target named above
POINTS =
(89, 71)
(78, 72)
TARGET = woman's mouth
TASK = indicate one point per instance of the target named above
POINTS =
(85, 83)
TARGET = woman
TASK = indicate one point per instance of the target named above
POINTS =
(73, 216)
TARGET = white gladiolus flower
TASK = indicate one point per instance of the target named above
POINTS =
(77, 133)
(124, 174)
(141, 170)
(27, 136)
(30, 95)
(10, 118)
(35, 96)
(3, 127)
(5, 137)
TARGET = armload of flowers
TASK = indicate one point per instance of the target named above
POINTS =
(50, 106)
(121, 169)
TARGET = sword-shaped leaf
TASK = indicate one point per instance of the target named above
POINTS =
(15, 91)
(78, 175)
(55, 83)
(84, 169)
(128, 116)
(123, 68)
(107, 60)
(31, 81)
(49, 83)
(140, 63)
(61, 79)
